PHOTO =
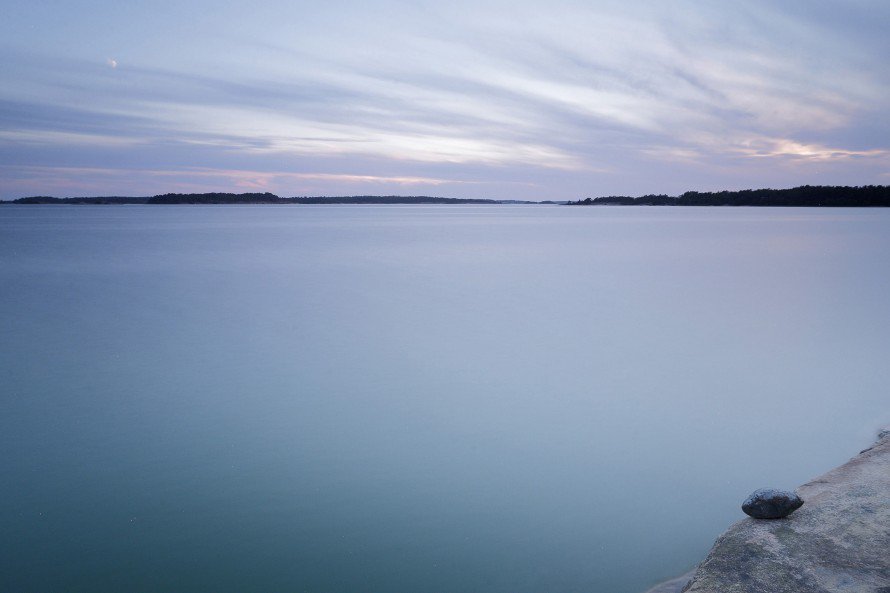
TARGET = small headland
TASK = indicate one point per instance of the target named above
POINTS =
(838, 541)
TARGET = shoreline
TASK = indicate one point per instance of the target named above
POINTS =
(818, 196)
(836, 542)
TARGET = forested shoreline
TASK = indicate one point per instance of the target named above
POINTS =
(249, 198)
(803, 196)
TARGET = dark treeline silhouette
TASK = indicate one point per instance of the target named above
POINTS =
(91, 200)
(253, 198)
(268, 198)
(389, 200)
(805, 195)
(217, 198)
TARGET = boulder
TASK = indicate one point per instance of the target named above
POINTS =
(767, 503)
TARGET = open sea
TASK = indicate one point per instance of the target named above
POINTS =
(420, 399)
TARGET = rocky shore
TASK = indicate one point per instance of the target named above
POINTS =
(839, 541)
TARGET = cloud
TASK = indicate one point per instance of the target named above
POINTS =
(67, 139)
(265, 178)
(771, 148)
(104, 180)
(582, 94)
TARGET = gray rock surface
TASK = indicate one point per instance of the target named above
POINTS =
(674, 585)
(767, 503)
(839, 541)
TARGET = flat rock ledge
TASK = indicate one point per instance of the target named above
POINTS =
(839, 541)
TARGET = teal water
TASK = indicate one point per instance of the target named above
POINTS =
(508, 399)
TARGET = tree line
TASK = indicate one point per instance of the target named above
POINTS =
(805, 195)
(248, 198)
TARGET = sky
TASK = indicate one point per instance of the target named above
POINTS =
(487, 99)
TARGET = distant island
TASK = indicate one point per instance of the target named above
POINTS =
(259, 198)
(803, 196)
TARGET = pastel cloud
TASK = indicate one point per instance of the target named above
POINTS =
(788, 148)
(115, 180)
(580, 97)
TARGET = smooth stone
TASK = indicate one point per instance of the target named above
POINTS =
(767, 503)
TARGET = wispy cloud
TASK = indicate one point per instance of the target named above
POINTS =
(770, 148)
(580, 95)
(104, 180)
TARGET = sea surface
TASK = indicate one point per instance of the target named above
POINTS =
(420, 399)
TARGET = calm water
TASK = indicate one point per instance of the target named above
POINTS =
(409, 399)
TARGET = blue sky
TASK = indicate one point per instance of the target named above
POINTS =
(526, 100)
